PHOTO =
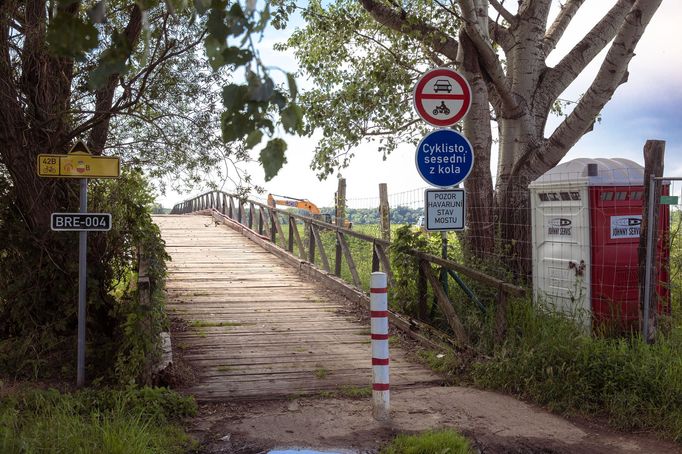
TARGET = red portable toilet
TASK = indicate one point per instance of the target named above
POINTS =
(586, 216)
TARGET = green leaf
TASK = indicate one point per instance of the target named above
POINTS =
(272, 157)
(260, 90)
(279, 99)
(236, 125)
(234, 97)
(216, 25)
(236, 20)
(293, 90)
(214, 52)
(292, 118)
(113, 61)
(253, 139)
(70, 36)
(237, 56)
(264, 19)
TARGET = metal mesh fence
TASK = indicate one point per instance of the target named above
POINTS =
(573, 233)
(406, 207)
(675, 278)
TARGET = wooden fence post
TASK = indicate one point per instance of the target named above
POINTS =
(340, 216)
(384, 212)
(422, 295)
(654, 154)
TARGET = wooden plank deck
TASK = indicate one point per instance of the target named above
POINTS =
(258, 329)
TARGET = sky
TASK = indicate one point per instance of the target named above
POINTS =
(648, 106)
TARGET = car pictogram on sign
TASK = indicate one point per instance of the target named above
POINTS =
(442, 85)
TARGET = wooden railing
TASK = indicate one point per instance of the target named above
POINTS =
(267, 222)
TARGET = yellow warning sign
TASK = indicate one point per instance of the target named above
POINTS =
(78, 163)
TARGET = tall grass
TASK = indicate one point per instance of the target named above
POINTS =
(432, 442)
(105, 421)
(549, 360)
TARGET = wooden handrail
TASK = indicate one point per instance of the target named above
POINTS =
(477, 275)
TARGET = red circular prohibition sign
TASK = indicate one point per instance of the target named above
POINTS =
(442, 97)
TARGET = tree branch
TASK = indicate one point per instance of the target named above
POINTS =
(558, 27)
(119, 106)
(612, 73)
(423, 32)
(504, 12)
(104, 96)
(488, 58)
(565, 72)
(500, 34)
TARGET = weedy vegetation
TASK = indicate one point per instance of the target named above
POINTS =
(432, 442)
(133, 421)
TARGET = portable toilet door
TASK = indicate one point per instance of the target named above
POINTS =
(616, 209)
(601, 258)
(561, 241)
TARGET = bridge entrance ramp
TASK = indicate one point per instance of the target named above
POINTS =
(254, 328)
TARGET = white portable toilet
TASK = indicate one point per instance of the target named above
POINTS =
(586, 216)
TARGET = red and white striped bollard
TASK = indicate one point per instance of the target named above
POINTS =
(378, 307)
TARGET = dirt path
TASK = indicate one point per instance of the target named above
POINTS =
(496, 423)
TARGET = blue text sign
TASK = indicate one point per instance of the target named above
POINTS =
(444, 158)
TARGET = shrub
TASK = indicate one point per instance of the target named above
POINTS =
(38, 287)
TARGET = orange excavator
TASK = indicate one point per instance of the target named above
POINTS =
(307, 206)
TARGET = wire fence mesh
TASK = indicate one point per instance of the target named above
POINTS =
(406, 207)
(573, 233)
(675, 278)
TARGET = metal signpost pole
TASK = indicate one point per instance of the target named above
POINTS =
(444, 254)
(80, 163)
(82, 285)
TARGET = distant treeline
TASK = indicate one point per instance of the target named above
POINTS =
(399, 215)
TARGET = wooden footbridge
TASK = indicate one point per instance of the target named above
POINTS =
(260, 322)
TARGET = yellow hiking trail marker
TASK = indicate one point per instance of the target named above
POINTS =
(78, 163)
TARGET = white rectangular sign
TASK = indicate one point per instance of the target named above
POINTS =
(445, 209)
(625, 226)
(81, 222)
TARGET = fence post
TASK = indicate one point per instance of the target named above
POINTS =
(375, 257)
(380, 355)
(654, 154)
(311, 242)
(340, 201)
(273, 228)
(422, 295)
(384, 212)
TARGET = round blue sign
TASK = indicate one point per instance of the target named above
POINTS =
(444, 158)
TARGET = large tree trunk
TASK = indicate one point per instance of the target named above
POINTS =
(41, 125)
(480, 238)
